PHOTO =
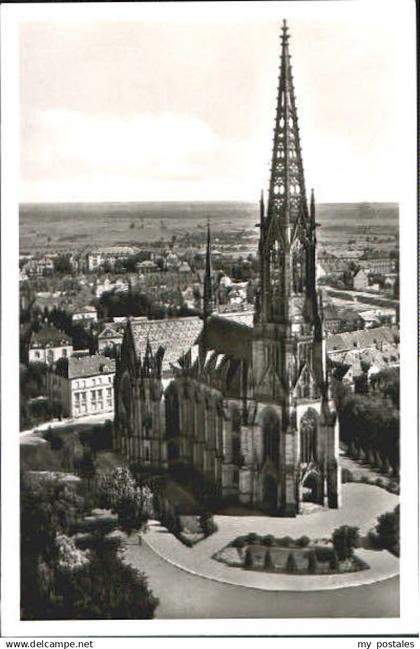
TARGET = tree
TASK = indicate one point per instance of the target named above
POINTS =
(87, 467)
(388, 531)
(62, 264)
(61, 581)
(132, 503)
(345, 539)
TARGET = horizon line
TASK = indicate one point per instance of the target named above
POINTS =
(248, 202)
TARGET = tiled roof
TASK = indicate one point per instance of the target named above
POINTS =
(175, 335)
(230, 335)
(89, 366)
(85, 309)
(361, 339)
(49, 337)
(241, 317)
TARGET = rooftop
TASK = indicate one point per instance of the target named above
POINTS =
(75, 368)
(362, 339)
(49, 337)
(175, 335)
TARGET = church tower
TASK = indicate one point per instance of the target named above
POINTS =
(209, 300)
(288, 358)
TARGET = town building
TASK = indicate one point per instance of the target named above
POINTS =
(82, 386)
(39, 267)
(96, 259)
(111, 337)
(84, 315)
(48, 345)
(250, 405)
(146, 267)
(378, 265)
(360, 280)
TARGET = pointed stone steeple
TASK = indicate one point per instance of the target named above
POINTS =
(287, 194)
(209, 302)
(287, 230)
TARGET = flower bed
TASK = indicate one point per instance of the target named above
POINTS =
(286, 555)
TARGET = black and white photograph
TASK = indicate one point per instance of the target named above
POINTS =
(209, 402)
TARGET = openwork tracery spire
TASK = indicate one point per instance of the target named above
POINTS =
(287, 194)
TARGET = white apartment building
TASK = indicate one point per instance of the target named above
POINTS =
(82, 386)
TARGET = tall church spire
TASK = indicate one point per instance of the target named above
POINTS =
(209, 302)
(287, 195)
(287, 235)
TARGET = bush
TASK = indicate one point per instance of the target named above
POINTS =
(248, 563)
(284, 542)
(185, 539)
(334, 565)
(303, 541)
(346, 475)
(239, 542)
(291, 566)
(268, 561)
(364, 479)
(388, 531)
(312, 563)
(323, 554)
(269, 540)
(344, 539)
(253, 538)
(207, 524)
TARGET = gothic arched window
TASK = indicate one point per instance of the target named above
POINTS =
(308, 436)
(298, 268)
(271, 436)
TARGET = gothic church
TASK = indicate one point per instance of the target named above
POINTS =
(245, 401)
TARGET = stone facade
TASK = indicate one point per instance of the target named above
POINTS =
(249, 405)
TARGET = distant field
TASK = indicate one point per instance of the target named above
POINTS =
(72, 225)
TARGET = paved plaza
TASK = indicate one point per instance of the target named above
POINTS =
(362, 504)
(185, 596)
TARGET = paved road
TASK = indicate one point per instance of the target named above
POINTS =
(361, 505)
(186, 596)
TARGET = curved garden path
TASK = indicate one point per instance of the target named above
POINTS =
(362, 504)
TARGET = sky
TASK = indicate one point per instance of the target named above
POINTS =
(159, 105)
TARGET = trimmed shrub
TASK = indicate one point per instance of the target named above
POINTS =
(303, 541)
(268, 561)
(248, 563)
(284, 542)
(364, 479)
(291, 563)
(185, 539)
(239, 542)
(334, 565)
(388, 531)
(344, 539)
(346, 475)
(253, 538)
(312, 563)
(269, 540)
(323, 554)
(207, 524)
